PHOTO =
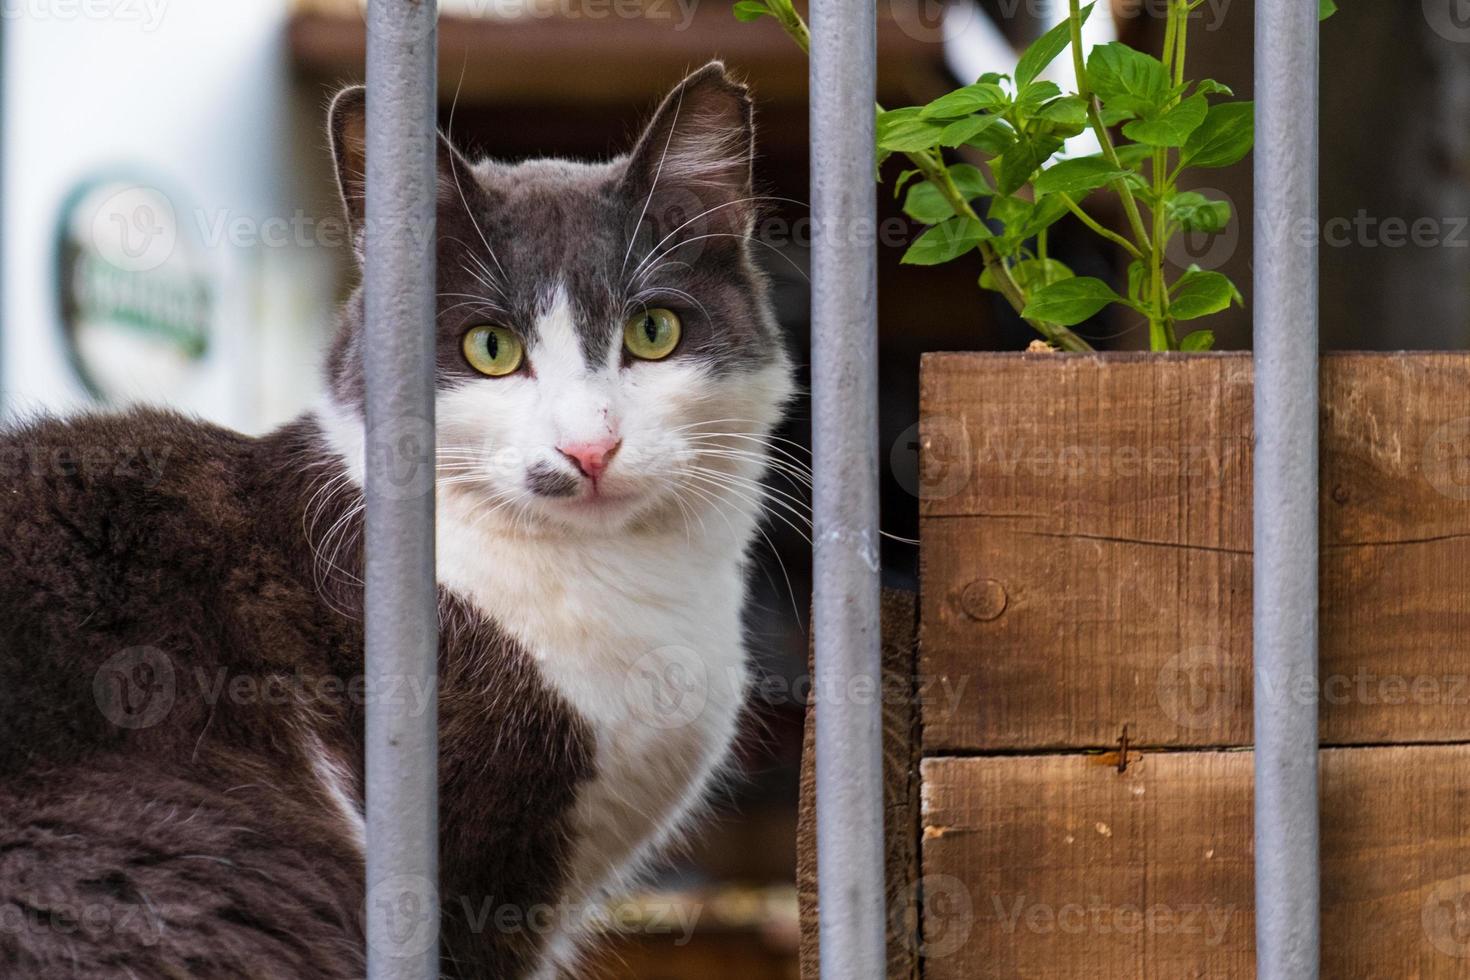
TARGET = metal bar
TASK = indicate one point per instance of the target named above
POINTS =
(1288, 916)
(849, 764)
(400, 601)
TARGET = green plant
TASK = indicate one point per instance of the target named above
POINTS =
(1165, 126)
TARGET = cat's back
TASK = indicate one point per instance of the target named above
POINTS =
(152, 584)
(124, 535)
(99, 506)
(106, 515)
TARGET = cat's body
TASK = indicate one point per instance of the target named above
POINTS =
(181, 694)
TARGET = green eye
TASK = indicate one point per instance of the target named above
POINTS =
(651, 334)
(492, 350)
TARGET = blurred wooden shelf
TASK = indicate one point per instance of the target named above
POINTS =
(599, 52)
(725, 932)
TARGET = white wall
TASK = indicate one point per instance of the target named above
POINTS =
(195, 95)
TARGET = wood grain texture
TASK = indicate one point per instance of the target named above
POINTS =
(1086, 528)
(1061, 867)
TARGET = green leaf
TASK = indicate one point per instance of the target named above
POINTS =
(1066, 116)
(965, 130)
(1199, 293)
(1036, 94)
(980, 97)
(1021, 220)
(1047, 212)
(946, 241)
(1013, 216)
(994, 139)
(1224, 137)
(1011, 212)
(970, 180)
(1195, 212)
(1020, 161)
(904, 178)
(1030, 274)
(1133, 154)
(749, 10)
(1200, 340)
(1070, 301)
(925, 203)
(1077, 177)
(902, 130)
(1325, 9)
(1036, 274)
(1044, 50)
(1128, 80)
(1208, 86)
(1172, 127)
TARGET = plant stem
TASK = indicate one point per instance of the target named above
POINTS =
(1160, 326)
(1107, 233)
(932, 168)
(1171, 26)
(1160, 323)
(1105, 140)
(792, 23)
(1183, 42)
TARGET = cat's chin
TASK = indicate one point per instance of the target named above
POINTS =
(603, 512)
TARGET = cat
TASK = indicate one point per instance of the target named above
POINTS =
(181, 691)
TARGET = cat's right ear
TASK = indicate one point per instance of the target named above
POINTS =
(698, 149)
(347, 128)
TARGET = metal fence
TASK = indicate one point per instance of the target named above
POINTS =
(1284, 631)
(845, 565)
(401, 789)
(400, 599)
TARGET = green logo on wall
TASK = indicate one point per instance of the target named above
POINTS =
(136, 307)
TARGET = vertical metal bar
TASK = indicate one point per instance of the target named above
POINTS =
(400, 600)
(1288, 917)
(849, 791)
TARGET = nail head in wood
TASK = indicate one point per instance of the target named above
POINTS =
(984, 599)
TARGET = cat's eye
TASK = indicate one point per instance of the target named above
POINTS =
(492, 350)
(652, 335)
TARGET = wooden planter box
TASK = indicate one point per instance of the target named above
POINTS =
(1083, 675)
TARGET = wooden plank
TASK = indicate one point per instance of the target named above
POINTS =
(1396, 548)
(900, 798)
(598, 52)
(1059, 866)
(1086, 550)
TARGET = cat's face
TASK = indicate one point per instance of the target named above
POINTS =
(606, 349)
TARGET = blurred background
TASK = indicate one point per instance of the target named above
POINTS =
(169, 232)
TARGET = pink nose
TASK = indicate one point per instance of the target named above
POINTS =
(592, 458)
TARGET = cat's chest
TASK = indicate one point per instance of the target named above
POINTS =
(643, 641)
(592, 614)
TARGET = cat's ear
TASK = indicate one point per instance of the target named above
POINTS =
(347, 127)
(700, 144)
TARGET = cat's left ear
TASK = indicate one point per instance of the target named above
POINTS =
(700, 145)
(347, 127)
